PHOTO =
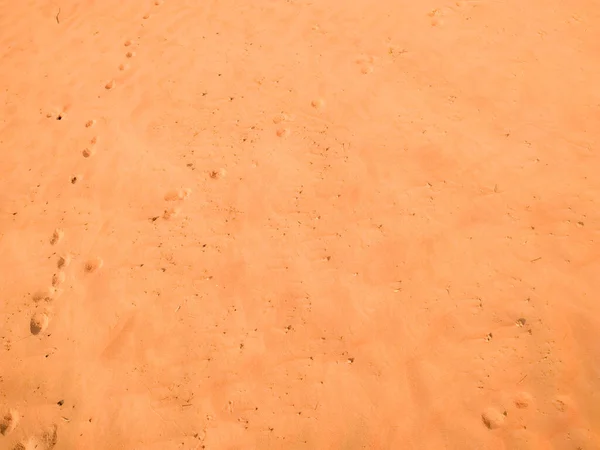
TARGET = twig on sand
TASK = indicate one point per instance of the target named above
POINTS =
(522, 379)
(57, 21)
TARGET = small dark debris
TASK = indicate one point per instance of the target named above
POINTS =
(59, 117)
(350, 360)
(521, 321)
(154, 219)
(163, 269)
(60, 402)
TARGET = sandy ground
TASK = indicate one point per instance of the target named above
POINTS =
(299, 225)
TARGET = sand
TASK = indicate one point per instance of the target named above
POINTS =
(299, 225)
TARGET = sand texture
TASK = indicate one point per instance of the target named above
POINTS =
(293, 224)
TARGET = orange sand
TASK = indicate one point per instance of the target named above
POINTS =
(299, 225)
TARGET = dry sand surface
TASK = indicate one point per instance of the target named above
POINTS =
(299, 224)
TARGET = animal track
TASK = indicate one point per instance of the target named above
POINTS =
(58, 278)
(281, 118)
(283, 132)
(44, 441)
(9, 422)
(523, 400)
(216, 174)
(44, 294)
(63, 261)
(366, 64)
(171, 213)
(93, 264)
(492, 418)
(318, 103)
(39, 323)
(57, 236)
(180, 194)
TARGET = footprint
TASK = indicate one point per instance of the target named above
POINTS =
(217, 174)
(76, 178)
(44, 441)
(128, 43)
(171, 213)
(281, 118)
(130, 54)
(561, 403)
(88, 152)
(179, 194)
(283, 132)
(436, 17)
(366, 64)
(30, 444)
(58, 278)
(49, 437)
(63, 261)
(39, 323)
(492, 418)
(110, 85)
(93, 264)
(44, 294)
(318, 103)
(9, 422)
(57, 236)
(90, 123)
(523, 400)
